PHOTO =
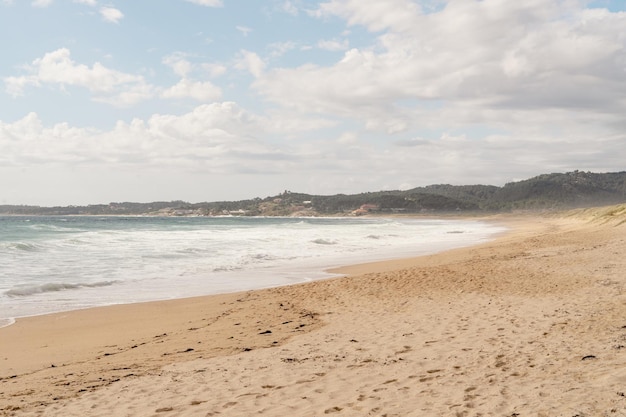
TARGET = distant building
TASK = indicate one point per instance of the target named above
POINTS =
(370, 207)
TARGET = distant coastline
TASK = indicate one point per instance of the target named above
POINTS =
(575, 189)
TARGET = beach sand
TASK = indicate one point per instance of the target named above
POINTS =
(530, 324)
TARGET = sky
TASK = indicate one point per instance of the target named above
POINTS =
(211, 100)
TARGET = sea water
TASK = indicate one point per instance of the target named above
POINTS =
(59, 263)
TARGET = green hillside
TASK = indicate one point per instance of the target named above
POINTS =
(549, 191)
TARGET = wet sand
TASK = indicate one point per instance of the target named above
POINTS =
(530, 324)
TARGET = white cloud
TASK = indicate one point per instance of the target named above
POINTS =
(183, 67)
(333, 45)
(208, 3)
(251, 62)
(214, 70)
(376, 16)
(213, 131)
(244, 30)
(290, 8)
(201, 91)
(14, 86)
(128, 95)
(179, 64)
(57, 68)
(280, 48)
(187, 87)
(348, 138)
(27, 141)
(111, 14)
(42, 3)
(91, 3)
(485, 60)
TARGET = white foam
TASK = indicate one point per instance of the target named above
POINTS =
(6, 322)
(26, 290)
(89, 262)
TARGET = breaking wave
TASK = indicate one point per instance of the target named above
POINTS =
(324, 242)
(24, 291)
(28, 247)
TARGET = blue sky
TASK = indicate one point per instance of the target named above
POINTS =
(205, 100)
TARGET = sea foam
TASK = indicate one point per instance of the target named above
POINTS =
(50, 264)
(26, 290)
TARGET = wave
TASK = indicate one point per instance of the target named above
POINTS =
(324, 242)
(27, 247)
(52, 227)
(24, 291)
(227, 268)
(263, 257)
(6, 322)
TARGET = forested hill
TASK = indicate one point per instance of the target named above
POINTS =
(549, 191)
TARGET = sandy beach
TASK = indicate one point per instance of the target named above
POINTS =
(532, 323)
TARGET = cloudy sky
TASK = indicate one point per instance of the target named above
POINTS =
(206, 100)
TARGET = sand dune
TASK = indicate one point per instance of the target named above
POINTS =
(531, 324)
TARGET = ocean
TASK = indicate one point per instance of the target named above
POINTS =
(52, 264)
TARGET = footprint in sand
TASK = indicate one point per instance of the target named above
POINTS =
(333, 410)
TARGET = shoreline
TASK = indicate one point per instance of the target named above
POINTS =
(500, 327)
(306, 272)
